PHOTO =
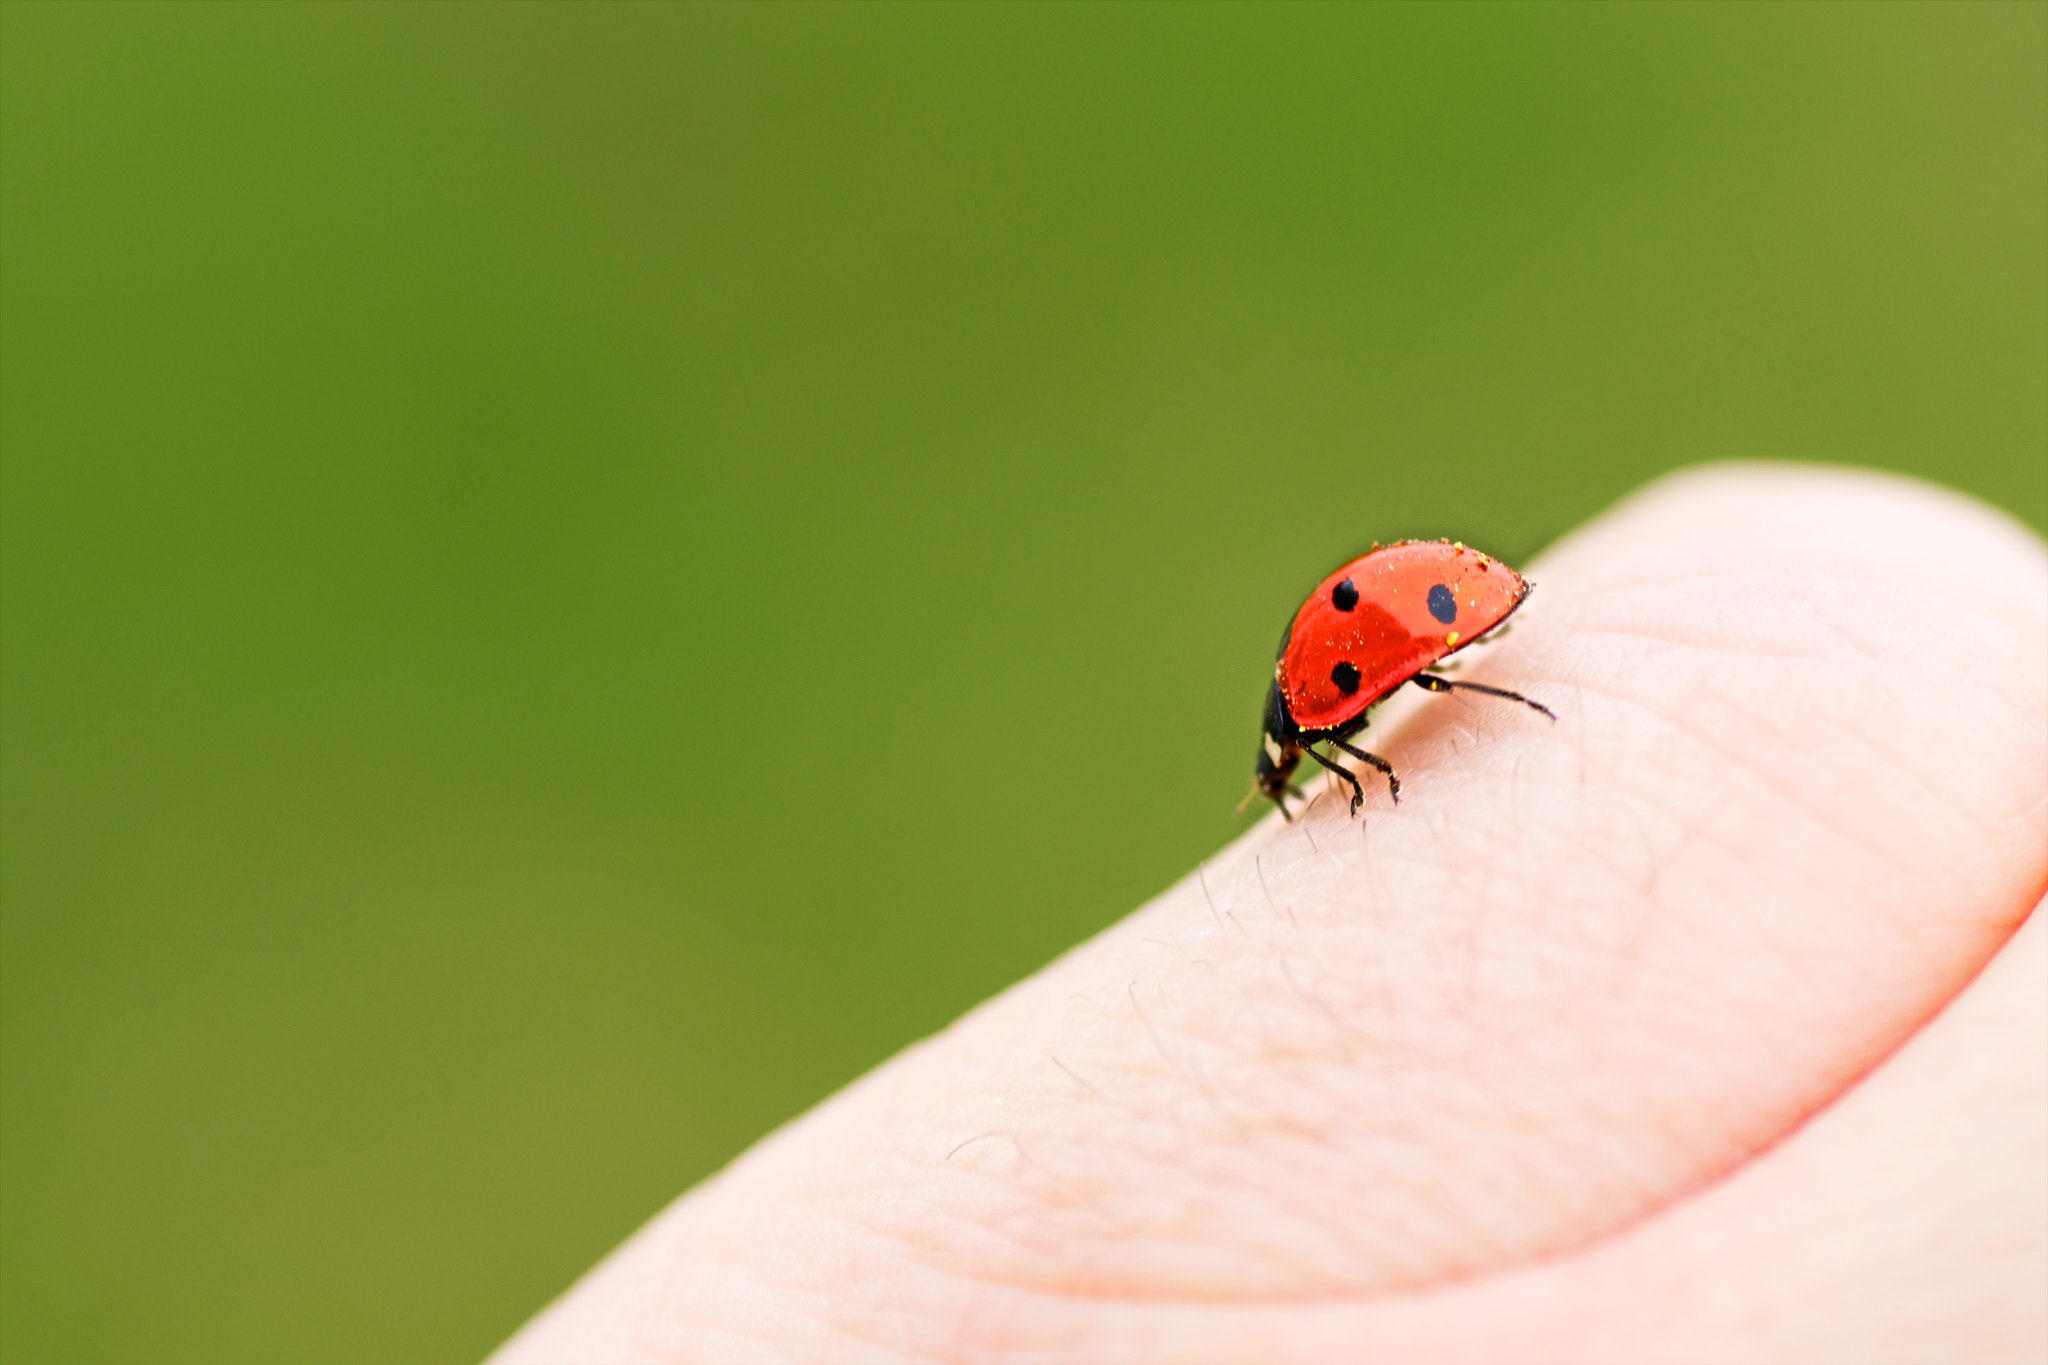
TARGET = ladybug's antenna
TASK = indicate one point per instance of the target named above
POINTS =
(1247, 800)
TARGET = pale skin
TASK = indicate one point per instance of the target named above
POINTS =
(1709, 1023)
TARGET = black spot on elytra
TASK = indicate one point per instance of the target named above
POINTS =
(1344, 596)
(1346, 678)
(1443, 604)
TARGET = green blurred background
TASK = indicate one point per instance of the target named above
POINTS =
(575, 577)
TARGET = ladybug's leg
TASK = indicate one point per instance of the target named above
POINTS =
(1429, 682)
(1357, 791)
(1393, 782)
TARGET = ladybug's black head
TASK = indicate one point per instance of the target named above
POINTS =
(1279, 752)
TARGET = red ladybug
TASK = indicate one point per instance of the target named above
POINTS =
(1369, 627)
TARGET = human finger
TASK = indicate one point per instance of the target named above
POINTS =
(1792, 804)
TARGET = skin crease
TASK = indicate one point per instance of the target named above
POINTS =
(1698, 1026)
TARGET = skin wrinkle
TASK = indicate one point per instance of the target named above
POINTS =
(1788, 954)
(918, 1244)
(1621, 877)
(1735, 760)
(1085, 1295)
(1659, 885)
(1929, 777)
(1151, 1300)
(1354, 1300)
(937, 1249)
(1328, 1022)
(1150, 1347)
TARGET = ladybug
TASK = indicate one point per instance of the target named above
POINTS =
(1374, 624)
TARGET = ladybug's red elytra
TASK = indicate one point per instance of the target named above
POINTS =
(1376, 623)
